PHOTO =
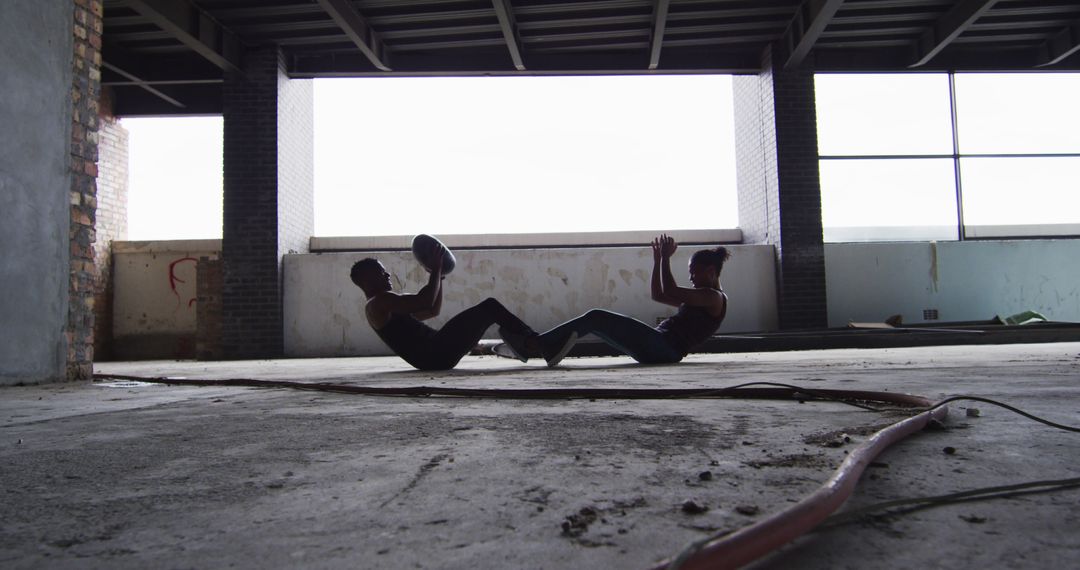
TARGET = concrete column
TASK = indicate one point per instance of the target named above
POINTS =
(37, 186)
(779, 185)
(268, 198)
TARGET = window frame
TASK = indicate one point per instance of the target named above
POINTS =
(964, 231)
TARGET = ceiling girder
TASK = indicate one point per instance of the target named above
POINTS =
(659, 24)
(505, 12)
(353, 24)
(810, 21)
(199, 100)
(194, 28)
(948, 28)
(169, 55)
(143, 85)
(1062, 45)
(560, 9)
(579, 61)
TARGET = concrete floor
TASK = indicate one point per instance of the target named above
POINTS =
(124, 475)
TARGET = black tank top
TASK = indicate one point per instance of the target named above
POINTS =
(690, 326)
(407, 337)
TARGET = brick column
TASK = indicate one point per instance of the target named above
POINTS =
(208, 309)
(85, 90)
(111, 221)
(779, 185)
(268, 203)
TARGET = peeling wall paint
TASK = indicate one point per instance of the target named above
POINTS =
(324, 310)
(933, 266)
(967, 281)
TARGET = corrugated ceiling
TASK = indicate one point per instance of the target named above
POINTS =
(170, 56)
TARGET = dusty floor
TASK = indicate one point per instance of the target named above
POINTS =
(122, 475)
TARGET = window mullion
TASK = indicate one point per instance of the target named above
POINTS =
(961, 228)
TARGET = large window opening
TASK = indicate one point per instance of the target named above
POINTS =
(473, 155)
(501, 155)
(942, 156)
(175, 178)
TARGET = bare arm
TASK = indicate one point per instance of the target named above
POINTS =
(670, 291)
(663, 246)
(424, 304)
(435, 308)
(657, 286)
(709, 298)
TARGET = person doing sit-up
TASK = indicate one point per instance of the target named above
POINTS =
(701, 310)
(396, 317)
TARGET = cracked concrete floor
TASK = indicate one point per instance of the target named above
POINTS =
(129, 475)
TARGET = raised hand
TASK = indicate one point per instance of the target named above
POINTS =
(667, 245)
(657, 248)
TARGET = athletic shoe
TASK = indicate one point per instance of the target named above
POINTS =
(504, 350)
(556, 358)
(516, 342)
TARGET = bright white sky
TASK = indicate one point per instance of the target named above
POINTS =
(399, 156)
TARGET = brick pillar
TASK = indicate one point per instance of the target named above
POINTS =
(779, 185)
(208, 309)
(85, 90)
(268, 203)
(111, 222)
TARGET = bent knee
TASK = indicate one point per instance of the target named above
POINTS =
(602, 315)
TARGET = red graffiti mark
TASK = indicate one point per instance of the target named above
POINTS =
(173, 279)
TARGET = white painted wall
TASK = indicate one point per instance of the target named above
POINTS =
(972, 280)
(324, 310)
(964, 281)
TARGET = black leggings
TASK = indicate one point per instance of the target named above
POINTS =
(628, 335)
(461, 333)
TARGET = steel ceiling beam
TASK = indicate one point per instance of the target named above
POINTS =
(810, 21)
(257, 11)
(429, 18)
(550, 24)
(359, 32)
(505, 12)
(142, 85)
(194, 28)
(658, 27)
(1062, 45)
(560, 9)
(602, 62)
(948, 28)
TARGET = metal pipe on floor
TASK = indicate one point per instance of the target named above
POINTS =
(759, 539)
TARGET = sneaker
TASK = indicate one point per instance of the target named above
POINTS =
(516, 342)
(557, 357)
(504, 350)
